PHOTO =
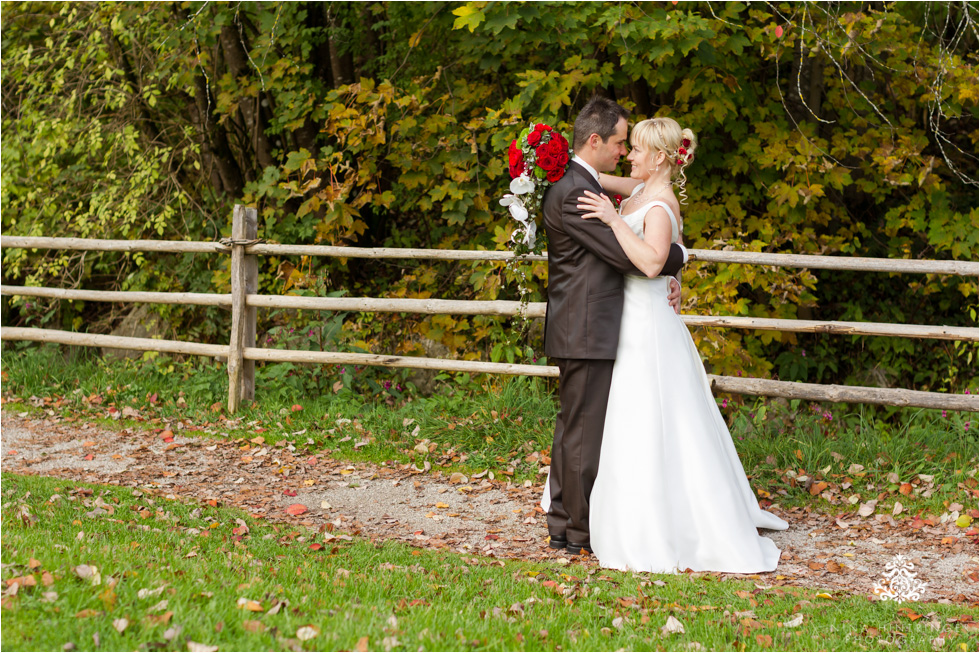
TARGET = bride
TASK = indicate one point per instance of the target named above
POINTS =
(670, 493)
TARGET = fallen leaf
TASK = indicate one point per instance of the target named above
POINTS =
(120, 624)
(143, 593)
(195, 647)
(672, 626)
(249, 604)
(905, 488)
(867, 509)
(33, 563)
(306, 633)
(763, 640)
(86, 572)
(253, 626)
(817, 488)
(362, 644)
(88, 612)
(296, 509)
(22, 581)
(794, 622)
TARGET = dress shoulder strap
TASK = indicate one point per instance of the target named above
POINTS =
(674, 228)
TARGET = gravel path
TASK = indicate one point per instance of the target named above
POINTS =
(435, 510)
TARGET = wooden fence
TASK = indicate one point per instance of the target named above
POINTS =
(244, 301)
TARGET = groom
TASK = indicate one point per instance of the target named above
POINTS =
(585, 304)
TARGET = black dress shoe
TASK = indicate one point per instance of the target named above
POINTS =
(576, 549)
(557, 542)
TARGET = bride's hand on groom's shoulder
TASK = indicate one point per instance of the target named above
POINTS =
(598, 206)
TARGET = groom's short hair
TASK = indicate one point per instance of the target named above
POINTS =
(599, 116)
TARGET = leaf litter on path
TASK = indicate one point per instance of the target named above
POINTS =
(847, 551)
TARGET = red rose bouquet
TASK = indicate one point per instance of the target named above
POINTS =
(536, 159)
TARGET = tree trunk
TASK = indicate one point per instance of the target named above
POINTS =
(215, 143)
(640, 95)
(237, 58)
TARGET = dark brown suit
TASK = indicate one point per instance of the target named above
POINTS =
(586, 265)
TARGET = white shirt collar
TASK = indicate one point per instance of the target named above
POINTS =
(592, 171)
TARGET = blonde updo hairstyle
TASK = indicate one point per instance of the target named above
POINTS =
(665, 135)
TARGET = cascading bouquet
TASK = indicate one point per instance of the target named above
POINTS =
(537, 159)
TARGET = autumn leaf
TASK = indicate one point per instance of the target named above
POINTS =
(296, 509)
(22, 581)
(157, 620)
(306, 633)
(905, 488)
(672, 626)
(763, 640)
(253, 626)
(362, 644)
(868, 509)
(794, 622)
(911, 614)
(249, 604)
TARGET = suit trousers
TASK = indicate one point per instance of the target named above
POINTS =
(583, 392)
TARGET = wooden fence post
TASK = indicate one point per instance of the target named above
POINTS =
(244, 281)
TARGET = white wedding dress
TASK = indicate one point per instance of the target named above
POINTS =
(670, 493)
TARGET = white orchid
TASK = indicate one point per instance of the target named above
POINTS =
(519, 212)
(516, 207)
(522, 185)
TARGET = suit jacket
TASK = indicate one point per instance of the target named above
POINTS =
(586, 266)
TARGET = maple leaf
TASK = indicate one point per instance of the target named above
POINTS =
(296, 509)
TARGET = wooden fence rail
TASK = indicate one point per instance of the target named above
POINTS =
(736, 385)
(853, 263)
(499, 307)
(241, 352)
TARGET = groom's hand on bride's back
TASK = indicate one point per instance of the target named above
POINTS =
(674, 296)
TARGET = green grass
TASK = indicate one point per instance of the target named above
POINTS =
(505, 425)
(395, 596)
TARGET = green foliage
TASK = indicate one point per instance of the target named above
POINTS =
(840, 128)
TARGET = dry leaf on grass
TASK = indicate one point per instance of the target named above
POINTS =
(306, 633)
(672, 626)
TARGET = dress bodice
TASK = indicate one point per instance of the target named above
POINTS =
(634, 219)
